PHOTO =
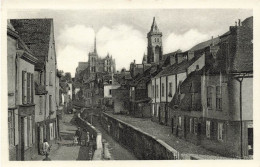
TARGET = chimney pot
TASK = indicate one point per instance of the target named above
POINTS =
(239, 22)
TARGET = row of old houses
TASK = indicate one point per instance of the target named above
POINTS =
(33, 87)
(205, 94)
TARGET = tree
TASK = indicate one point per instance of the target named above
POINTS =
(66, 77)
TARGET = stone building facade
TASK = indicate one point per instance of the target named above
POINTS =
(21, 99)
(214, 107)
(38, 35)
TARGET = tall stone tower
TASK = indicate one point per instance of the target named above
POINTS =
(154, 48)
(92, 59)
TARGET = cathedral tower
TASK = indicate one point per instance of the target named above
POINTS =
(92, 59)
(154, 48)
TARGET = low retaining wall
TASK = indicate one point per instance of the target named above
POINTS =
(143, 145)
(86, 126)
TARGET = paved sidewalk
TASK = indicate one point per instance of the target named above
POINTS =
(162, 132)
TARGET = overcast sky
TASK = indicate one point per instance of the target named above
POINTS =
(122, 33)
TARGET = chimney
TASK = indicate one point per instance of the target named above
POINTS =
(235, 23)
(134, 61)
(239, 22)
(212, 41)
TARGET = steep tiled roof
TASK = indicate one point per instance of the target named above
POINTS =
(177, 68)
(205, 44)
(36, 35)
(236, 50)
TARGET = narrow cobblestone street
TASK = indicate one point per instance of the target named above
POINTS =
(64, 149)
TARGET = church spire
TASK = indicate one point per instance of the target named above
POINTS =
(95, 45)
(154, 27)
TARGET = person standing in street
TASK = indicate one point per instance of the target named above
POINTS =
(78, 134)
(46, 147)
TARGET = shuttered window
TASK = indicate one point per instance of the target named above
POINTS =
(218, 98)
(32, 88)
(50, 103)
(28, 88)
(170, 89)
(11, 127)
(209, 97)
(24, 99)
(162, 89)
(50, 79)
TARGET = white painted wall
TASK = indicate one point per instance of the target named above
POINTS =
(152, 93)
(107, 88)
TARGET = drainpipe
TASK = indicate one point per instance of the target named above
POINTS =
(241, 117)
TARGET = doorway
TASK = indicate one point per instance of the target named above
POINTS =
(172, 124)
(250, 141)
(166, 115)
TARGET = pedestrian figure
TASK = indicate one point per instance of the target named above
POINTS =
(87, 139)
(46, 147)
(78, 134)
(47, 157)
(75, 141)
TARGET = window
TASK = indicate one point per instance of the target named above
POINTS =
(218, 98)
(32, 88)
(30, 131)
(170, 89)
(208, 129)
(153, 91)
(50, 79)
(51, 131)
(191, 100)
(11, 127)
(28, 88)
(152, 109)
(40, 105)
(157, 94)
(220, 131)
(191, 125)
(195, 126)
(162, 89)
(25, 124)
(50, 103)
(209, 97)
(24, 99)
(157, 111)
(154, 39)
(110, 91)
(179, 122)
